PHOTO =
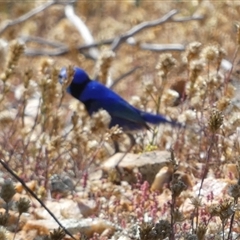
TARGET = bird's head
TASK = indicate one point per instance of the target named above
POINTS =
(79, 76)
(62, 75)
(74, 80)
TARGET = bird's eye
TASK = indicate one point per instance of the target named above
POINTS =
(61, 78)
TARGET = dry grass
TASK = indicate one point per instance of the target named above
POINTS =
(45, 132)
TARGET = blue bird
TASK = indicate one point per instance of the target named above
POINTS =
(96, 96)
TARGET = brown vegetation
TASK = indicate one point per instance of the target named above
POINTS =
(183, 64)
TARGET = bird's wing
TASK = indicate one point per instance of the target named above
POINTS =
(116, 109)
(96, 96)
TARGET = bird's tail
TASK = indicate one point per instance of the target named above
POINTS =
(158, 119)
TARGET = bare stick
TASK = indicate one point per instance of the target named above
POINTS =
(64, 50)
(162, 47)
(82, 29)
(116, 81)
(35, 196)
(60, 49)
(56, 52)
(41, 52)
(41, 41)
(132, 144)
(187, 19)
(111, 40)
(26, 16)
(118, 40)
(140, 27)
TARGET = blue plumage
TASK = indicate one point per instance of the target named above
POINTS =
(96, 96)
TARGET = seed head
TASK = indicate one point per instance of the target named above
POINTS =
(178, 216)
(224, 210)
(4, 234)
(57, 234)
(166, 63)
(223, 103)
(100, 120)
(215, 81)
(210, 53)
(196, 202)
(23, 205)
(7, 191)
(188, 116)
(177, 187)
(215, 120)
(238, 33)
(4, 219)
(104, 64)
(193, 51)
(169, 97)
(234, 191)
(163, 229)
(201, 231)
(191, 237)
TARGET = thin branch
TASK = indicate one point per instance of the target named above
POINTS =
(57, 52)
(8, 23)
(82, 29)
(187, 19)
(26, 16)
(96, 44)
(35, 196)
(64, 50)
(54, 44)
(116, 81)
(61, 49)
(118, 40)
(48, 52)
(41, 41)
(140, 27)
(148, 24)
(162, 47)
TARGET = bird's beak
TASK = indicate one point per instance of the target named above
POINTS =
(62, 75)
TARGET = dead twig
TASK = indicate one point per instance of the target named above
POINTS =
(116, 81)
(49, 52)
(162, 47)
(35, 196)
(82, 29)
(26, 16)
(187, 19)
(41, 41)
(136, 29)
(60, 47)
(63, 49)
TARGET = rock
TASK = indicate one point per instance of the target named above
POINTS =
(211, 186)
(86, 226)
(148, 164)
(162, 179)
(230, 171)
(124, 238)
(20, 189)
(166, 174)
(68, 208)
(59, 208)
(212, 192)
(61, 184)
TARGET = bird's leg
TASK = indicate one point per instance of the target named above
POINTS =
(116, 146)
(132, 143)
